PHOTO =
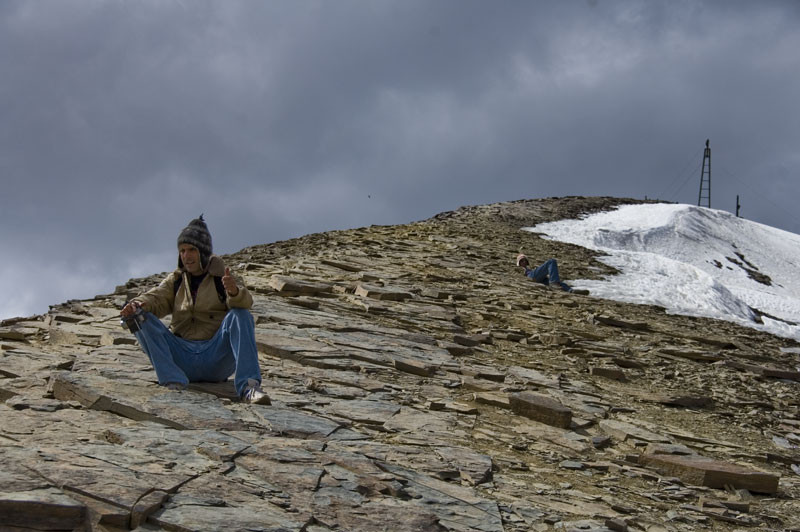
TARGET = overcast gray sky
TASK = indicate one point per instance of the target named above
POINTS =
(120, 121)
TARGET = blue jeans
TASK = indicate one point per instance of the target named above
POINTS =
(547, 273)
(232, 350)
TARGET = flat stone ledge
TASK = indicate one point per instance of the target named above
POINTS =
(541, 408)
(381, 294)
(623, 431)
(701, 471)
(608, 373)
(41, 509)
(290, 285)
(415, 367)
(622, 324)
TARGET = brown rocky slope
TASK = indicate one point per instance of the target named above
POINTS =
(418, 382)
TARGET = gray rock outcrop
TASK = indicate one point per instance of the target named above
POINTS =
(418, 382)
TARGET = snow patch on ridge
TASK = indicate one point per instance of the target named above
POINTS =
(693, 261)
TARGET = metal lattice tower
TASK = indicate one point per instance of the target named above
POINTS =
(705, 178)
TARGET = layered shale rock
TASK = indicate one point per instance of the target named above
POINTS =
(418, 382)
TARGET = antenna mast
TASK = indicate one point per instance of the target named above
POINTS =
(705, 178)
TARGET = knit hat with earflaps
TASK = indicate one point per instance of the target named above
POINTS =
(196, 234)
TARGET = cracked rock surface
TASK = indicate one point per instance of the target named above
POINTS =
(418, 382)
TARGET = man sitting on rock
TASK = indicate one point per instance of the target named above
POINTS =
(546, 273)
(212, 331)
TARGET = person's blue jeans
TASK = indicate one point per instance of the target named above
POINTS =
(232, 350)
(547, 273)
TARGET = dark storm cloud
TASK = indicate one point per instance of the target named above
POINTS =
(123, 120)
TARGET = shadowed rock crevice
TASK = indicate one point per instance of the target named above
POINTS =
(418, 382)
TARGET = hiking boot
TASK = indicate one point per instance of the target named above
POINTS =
(254, 395)
(175, 386)
(580, 291)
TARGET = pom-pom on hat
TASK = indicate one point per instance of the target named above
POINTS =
(520, 257)
(197, 235)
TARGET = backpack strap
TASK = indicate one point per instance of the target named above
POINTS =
(221, 293)
(177, 286)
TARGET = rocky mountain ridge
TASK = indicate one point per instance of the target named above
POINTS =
(419, 382)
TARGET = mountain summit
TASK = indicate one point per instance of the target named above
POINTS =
(418, 382)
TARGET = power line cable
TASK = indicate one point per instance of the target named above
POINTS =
(681, 174)
(689, 176)
(782, 211)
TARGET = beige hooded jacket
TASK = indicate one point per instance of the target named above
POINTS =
(199, 319)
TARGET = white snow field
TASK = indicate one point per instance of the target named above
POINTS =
(693, 261)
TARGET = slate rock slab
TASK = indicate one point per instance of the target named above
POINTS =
(19, 362)
(30, 502)
(103, 472)
(183, 410)
(197, 450)
(364, 411)
(290, 285)
(623, 431)
(41, 509)
(703, 471)
(541, 408)
(380, 293)
(458, 508)
(290, 422)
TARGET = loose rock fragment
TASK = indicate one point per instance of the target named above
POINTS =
(541, 408)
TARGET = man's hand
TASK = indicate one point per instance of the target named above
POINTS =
(230, 283)
(128, 310)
